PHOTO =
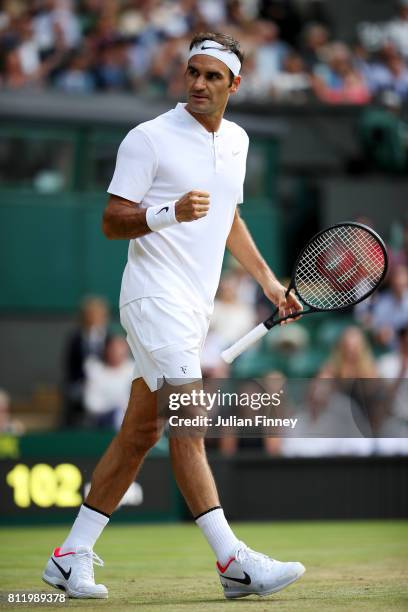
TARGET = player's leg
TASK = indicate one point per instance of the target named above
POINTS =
(188, 458)
(120, 464)
(71, 565)
(242, 571)
(196, 483)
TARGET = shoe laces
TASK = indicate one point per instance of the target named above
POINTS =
(244, 553)
(87, 560)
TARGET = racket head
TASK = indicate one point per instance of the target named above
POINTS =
(339, 267)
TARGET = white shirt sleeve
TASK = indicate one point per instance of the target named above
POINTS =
(136, 166)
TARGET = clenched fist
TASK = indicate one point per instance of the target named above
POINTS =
(192, 206)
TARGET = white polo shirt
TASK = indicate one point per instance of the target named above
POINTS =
(158, 162)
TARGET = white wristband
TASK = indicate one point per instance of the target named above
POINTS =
(161, 216)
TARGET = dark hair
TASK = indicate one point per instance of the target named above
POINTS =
(223, 39)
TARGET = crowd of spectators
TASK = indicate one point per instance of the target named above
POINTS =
(292, 52)
(97, 371)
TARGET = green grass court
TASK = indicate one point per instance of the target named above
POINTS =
(350, 566)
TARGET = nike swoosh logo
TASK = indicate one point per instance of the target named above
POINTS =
(236, 152)
(166, 208)
(61, 569)
(246, 580)
(216, 48)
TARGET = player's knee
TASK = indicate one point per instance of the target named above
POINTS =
(139, 440)
(147, 439)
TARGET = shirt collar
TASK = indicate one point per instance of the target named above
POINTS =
(188, 119)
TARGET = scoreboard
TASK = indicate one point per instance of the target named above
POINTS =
(42, 485)
(46, 477)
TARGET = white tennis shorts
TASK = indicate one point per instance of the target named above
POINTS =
(166, 340)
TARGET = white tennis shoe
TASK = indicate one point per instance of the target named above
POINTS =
(252, 573)
(73, 573)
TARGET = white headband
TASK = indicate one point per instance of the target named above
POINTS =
(215, 49)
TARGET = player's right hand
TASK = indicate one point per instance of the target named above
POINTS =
(192, 206)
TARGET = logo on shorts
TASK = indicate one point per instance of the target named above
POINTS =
(183, 369)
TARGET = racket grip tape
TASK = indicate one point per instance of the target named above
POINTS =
(243, 343)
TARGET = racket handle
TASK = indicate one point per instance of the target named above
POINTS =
(243, 343)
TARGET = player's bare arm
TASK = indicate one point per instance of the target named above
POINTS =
(123, 219)
(243, 248)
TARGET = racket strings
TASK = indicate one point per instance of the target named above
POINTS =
(334, 288)
(342, 281)
(339, 267)
(341, 249)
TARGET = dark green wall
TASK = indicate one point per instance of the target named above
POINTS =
(53, 251)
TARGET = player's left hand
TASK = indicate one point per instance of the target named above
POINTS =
(276, 293)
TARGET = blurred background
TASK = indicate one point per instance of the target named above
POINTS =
(324, 99)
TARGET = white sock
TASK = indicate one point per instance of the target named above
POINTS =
(86, 529)
(218, 533)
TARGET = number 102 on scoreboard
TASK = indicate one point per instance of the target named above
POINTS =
(44, 485)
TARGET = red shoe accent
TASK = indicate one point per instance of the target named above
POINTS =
(223, 569)
(57, 553)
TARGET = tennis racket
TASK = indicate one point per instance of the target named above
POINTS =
(338, 268)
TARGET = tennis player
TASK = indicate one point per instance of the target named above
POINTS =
(174, 195)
